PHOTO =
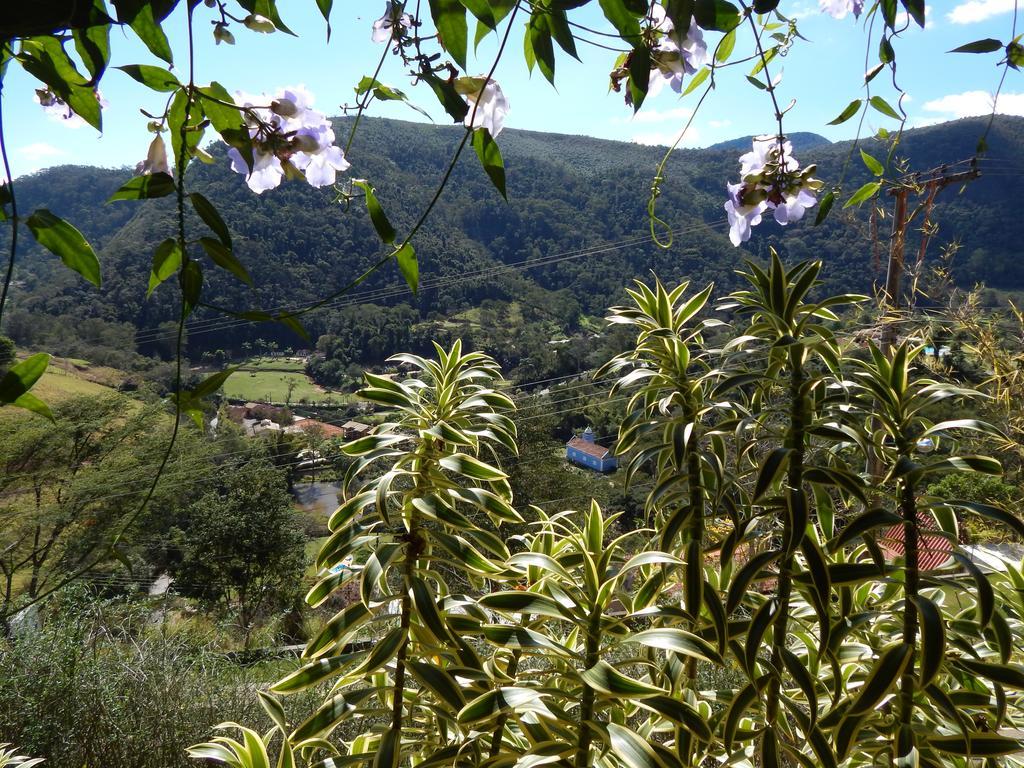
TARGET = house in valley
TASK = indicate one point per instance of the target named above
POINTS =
(584, 451)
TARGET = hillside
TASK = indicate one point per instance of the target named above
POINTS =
(567, 194)
(802, 141)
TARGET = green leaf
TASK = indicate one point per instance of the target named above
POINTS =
(869, 190)
(825, 207)
(1010, 675)
(208, 213)
(849, 111)
(469, 466)
(19, 379)
(679, 641)
(92, 40)
(625, 21)
(744, 576)
(450, 21)
(408, 265)
(873, 165)
(977, 744)
(987, 45)
(883, 106)
(933, 638)
(883, 676)
(62, 239)
(539, 36)
(490, 158)
(145, 187)
(156, 78)
(139, 15)
(191, 281)
(227, 120)
(771, 467)
(718, 15)
(330, 713)
(605, 678)
(166, 261)
(385, 231)
(639, 75)
(631, 749)
(224, 258)
(992, 513)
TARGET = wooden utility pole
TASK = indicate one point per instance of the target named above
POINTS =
(893, 296)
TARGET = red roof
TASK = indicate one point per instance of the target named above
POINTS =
(589, 448)
(328, 430)
(934, 550)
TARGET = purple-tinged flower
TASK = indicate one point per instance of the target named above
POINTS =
(287, 137)
(675, 55)
(156, 159)
(267, 171)
(742, 216)
(765, 152)
(793, 206)
(319, 158)
(488, 107)
(391, 25)
(838, 9)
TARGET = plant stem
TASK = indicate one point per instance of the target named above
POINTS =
(794, 482)
(912, 577)
(587, 701)
(14, 210)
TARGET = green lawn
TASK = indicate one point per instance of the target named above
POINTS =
(272, 387)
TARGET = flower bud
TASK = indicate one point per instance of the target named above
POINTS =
(305, 143)
(222, 34)
(284, 107)
(210, 3)
(258, 23)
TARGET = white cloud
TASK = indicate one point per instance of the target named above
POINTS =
(802, 12)
(719, 123)
(665, 138)
(40, 151)
(979, 10)
(975, 103)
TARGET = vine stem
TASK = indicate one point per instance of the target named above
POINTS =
(437, 193)
(183, 314)
(659, 173)
(14, 209)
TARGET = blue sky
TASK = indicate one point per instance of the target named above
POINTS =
(822, 75)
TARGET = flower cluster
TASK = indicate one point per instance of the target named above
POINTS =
(392, 24)
(771, 179)
(838, 9)
(675, 55)
(288, 137)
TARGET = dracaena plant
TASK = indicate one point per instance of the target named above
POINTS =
(400, 666)
(777, 548)
(605, 660)
(669, 430)
(936, 636)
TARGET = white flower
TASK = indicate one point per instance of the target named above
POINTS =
(742, 217)
(156, 159)
(391, 24)
(266, 169)
(765, 150)
(793, 207)
(675, 56)
(487, 108)
(322, 163)
(838, 9)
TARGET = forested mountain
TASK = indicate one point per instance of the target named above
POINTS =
(567, 194)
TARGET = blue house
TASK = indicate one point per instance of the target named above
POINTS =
(584, 451)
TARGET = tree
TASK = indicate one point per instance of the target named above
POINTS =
(68, 485)
(241, 544)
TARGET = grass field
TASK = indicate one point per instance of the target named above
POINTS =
(267, 379)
